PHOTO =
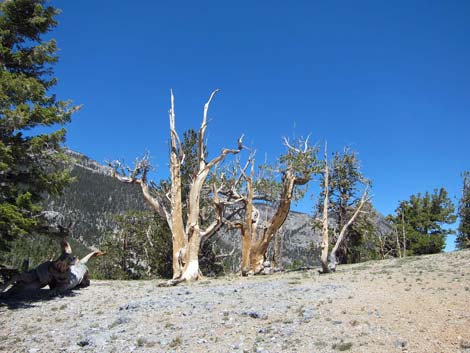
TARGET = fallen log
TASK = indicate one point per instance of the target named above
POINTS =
(63, 274)
(7, 273)
(77, 275)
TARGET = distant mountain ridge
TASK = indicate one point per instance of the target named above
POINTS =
(82, 161)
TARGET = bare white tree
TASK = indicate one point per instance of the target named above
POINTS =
(188, 236)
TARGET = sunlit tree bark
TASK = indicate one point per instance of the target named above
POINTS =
(186, 237)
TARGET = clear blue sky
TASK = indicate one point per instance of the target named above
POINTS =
(389, 78)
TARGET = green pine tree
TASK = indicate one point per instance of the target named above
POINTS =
(141, 248)
(463, 232)
(422, 219)
(31, 161)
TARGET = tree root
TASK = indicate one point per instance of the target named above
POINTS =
(171, 282)
(175, 281)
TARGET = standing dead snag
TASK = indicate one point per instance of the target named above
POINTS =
(325, 229)
(340, 184)
(333, 259)
(187, 237)
(296, 168)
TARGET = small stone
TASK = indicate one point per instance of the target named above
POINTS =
(308, 314)
(267, 271)
(122, 320)
(83, 343)
(163, 342)
(256, 315)
(129, 306)
(287, 332)
(465, 344)
(400, 343)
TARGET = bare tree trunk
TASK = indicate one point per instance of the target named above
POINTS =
(246, 249)
(333, 259)
(325, 238)
(259, 246)
(124, 254)
(257, 256)
(191, 270)
(274, 254)
(382, 247)
(248, 228)
(277, 249)
(255, 242)
(179, 240)
(403, 233)
(398, 241)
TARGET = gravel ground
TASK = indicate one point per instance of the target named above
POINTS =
(415, 304)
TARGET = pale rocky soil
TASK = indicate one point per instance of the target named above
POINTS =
(416, 304)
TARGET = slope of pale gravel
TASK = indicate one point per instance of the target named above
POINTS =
(415, 304)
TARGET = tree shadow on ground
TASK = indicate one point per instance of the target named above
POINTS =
(28, 299)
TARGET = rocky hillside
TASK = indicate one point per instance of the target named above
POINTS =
(413, 304)
(93, 200)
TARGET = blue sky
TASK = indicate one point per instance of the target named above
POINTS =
(390, 79)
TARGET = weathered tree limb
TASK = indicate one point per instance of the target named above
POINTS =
(260, 247)
(333, 259)
(179, 237)
(325, 228)
(139, 176)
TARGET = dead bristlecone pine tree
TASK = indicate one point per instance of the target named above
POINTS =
(277, 185)
(187, 232)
